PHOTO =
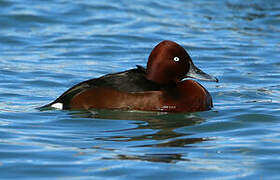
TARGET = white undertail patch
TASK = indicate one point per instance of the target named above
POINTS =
(57, 105)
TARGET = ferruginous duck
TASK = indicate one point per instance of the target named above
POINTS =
(160, 87)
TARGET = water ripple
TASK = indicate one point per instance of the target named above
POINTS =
(48, 46)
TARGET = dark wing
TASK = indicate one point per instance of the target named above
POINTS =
(133, 80)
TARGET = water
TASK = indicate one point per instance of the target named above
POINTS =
(48, 46)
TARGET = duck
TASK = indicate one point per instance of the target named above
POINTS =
(165, 85)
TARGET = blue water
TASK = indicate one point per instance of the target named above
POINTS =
(48, 46)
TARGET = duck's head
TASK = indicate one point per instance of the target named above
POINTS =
(170, 63)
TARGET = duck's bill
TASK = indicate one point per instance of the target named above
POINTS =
(196, 73)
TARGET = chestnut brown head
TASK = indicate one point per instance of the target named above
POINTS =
(169, 63)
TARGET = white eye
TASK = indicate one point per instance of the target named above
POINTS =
(176, 59)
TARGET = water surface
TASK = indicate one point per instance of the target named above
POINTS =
(48, 46)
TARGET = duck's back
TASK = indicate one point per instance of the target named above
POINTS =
(133, 80)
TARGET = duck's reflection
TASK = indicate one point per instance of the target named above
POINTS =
(167, 158)
(164, 132)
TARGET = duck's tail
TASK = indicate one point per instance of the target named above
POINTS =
(53, 105)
